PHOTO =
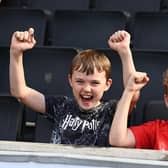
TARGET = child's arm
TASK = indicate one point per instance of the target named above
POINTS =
(120, 42)
(20, 42)
(120, 135)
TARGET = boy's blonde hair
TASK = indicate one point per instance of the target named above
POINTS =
(87, 60)
(165, 81)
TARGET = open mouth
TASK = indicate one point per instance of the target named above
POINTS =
(86, 97)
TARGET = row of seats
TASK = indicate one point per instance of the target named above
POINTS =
(42, 70)
(85, 29)
(126, 5)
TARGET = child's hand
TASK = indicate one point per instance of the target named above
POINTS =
(137, 81)
(119, 40)
(23, 40)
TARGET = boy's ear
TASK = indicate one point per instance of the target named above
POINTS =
(70, 79)
(166, 100)
(108, 84)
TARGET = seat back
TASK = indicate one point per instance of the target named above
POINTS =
(47, 68)
(10, 118)
(20, 20)
(153, 63)
(128, 5)
(149, 31)
(43, 129)
(59, 5)
(86, 29)
(155, 109)
(4, 70)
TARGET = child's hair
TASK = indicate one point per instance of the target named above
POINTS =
(87, 60)
(165, 81)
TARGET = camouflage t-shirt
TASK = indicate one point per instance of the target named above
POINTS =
(75, 126)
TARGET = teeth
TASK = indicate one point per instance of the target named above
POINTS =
(86, 96)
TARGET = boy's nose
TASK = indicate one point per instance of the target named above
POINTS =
(87, 88)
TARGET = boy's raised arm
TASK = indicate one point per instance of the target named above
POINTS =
(120, 135)
(120, 42)
(20, 42)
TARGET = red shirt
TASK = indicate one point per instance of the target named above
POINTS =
(151, 135)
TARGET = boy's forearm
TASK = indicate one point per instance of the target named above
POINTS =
(127, 63)
(118, 131)
(128, 68)
(17, 80)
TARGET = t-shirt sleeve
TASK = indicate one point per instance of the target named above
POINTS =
(54, 106)
(144, 135)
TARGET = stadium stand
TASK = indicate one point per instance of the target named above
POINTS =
(75, 25)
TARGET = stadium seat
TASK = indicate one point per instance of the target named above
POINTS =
(155, 109)
(47, 68)
(21, 19)
(9, 3)
(153, 63)
(86, 29)
(43, 129)
(59, 5)
(10, 118)
(150, 31)
(4, 70)
(128, 5)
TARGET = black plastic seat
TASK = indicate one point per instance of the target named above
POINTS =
(9, 3)
(10, 118)
(21, 19)
(153, 63)
(43, 129)
(86, 29)
(128, 5)
(47, 68)
(155, 109)
(59, 5)
(4, 70)
(150, 31)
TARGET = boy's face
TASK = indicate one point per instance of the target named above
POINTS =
(89, 89)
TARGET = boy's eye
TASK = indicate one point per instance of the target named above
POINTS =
(79, 81)
(95, 83)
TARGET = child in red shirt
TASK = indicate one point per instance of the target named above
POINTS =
(150, 135)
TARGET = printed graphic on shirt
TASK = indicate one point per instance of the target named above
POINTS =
(76, 123)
